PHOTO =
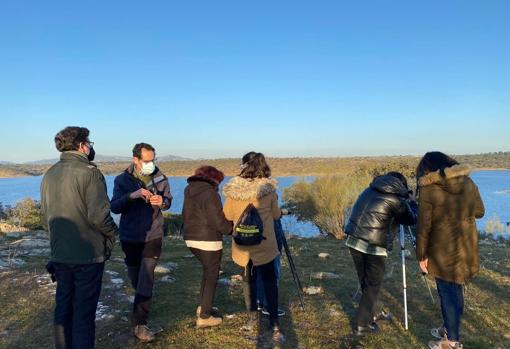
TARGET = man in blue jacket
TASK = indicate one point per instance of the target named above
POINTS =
(140, 194)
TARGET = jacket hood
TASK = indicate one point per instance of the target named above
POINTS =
(239, 188)
(453, 181)
(389, 185)
(198, 185)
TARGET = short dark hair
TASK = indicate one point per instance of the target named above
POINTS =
(70, 138)
(137, 149)
(434, 161)
(255, 166)
(210, 173)
(399, 176)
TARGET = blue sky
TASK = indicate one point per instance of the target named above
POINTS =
(216, 79)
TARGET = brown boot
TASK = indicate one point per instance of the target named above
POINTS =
(143, 333)
(445, 344)
(211, 321)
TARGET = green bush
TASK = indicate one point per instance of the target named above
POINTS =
(3, 211)
(326, 202)
(173, 224)
(26, 213)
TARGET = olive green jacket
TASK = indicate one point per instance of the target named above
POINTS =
(76, 211)
(447, 233)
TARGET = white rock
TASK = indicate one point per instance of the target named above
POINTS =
(312, 290)
(117, 260)
(324, 275)
(107, 317)
(112, 273)
(101, 311)
(118, 282)
(12, 262)
(167, 278)
(323, 255)
(165, 268)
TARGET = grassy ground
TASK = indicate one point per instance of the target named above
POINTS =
(26, 304)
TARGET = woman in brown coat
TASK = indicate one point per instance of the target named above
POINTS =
(447, 238)
(204, 227)
(254, 186)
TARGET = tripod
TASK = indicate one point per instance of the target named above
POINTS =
(403, 259)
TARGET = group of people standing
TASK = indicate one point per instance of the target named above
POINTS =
(77, 212)
(446, 238)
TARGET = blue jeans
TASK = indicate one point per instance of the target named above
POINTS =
(452, 306)
(78, 289)
(261, 297)
(278, 230)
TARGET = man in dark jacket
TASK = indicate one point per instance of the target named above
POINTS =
(76, 211)
(140, 194)
(375, 217)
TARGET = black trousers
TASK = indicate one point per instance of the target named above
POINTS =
(211, 261)
(268, 273)
(78, 289)
(370, 271)
(141, 259)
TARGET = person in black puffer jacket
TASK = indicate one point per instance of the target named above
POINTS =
(204, 227)
(374, 219)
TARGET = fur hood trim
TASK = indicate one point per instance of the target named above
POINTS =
(243, 189)
(450, 172)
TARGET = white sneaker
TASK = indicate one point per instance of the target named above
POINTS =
(439, 332)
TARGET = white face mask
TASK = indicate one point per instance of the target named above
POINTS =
(147, 168)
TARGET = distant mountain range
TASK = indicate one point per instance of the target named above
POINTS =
(101, 158)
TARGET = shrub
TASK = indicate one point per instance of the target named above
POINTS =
(26, 213)
(173, 224)
(494, 225)
(3, 211)
(326, 202)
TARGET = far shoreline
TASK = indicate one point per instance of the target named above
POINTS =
(289, 174)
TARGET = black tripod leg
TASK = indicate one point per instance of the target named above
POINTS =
(295, 276)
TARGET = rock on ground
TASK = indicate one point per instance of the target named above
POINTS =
(312, 290)
(322, 275)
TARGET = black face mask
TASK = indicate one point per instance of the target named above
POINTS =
(92, 154)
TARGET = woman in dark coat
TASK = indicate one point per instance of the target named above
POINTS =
(204, 227)
(447, 237)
